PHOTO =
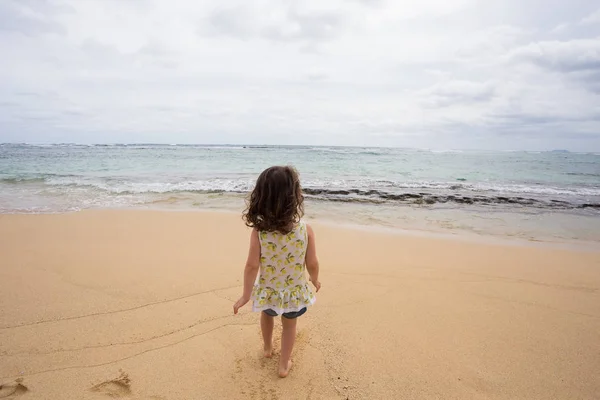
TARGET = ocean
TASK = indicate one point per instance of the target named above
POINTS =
(546, 196)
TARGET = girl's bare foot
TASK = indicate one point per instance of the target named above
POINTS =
(268, 351)
(283, 372)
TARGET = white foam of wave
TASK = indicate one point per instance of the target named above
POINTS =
(38, 210)
(541, 190)
(225, 185)
(245, 185)
(444, 151)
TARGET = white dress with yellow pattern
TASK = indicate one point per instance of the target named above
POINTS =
(282, 285)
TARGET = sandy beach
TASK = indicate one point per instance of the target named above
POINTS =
(137, 305)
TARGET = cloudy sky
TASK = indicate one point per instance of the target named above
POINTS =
(494, 74)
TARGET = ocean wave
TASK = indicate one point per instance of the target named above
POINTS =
(21, 180)
(539, 190)
(35, 178)
(583, 174)
(163, 146)
(39, 210)
(42, 146)
(443, 151)
(123, 187)
(119, 185)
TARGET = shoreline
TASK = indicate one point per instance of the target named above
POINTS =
(456, 235)
(473, 194)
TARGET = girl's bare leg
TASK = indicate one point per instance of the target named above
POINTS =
(288, 337)
(266, 327)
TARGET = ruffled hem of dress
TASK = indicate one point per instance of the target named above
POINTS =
(280, 311)
(276, 300)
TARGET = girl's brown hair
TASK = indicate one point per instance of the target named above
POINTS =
(276, 203)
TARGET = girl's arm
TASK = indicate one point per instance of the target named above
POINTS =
(250, 272)
(312, 262)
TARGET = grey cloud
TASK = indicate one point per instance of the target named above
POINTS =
(317, 76)
(370, 3)
(46, 7)
(74, 113)
(593, 18)
(533, 119)
(30, 17)
(560, 27)
(286, 23)
(154, 48)
(311, 26)
(97, 57)
(540, 125)
(579, 55)
(233, 22)
(27, 94)
(157, 54)
(94, 46)
(578, 60)
(491, 41)
(456, 93)
(161, 108)
(37, 117)
(591, 80)
(8, 103)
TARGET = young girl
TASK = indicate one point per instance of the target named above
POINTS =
(282, 246)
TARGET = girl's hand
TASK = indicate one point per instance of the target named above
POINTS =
(317, 285)
(240, 303)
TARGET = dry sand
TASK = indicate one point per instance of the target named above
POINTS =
(137, 305)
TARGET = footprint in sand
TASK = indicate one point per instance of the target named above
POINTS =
(118, 387)
(13, 389)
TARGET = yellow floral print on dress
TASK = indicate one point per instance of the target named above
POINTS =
(282, 285)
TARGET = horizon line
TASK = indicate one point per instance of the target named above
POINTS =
(281, 145)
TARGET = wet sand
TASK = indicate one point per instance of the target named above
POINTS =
(137, 304)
